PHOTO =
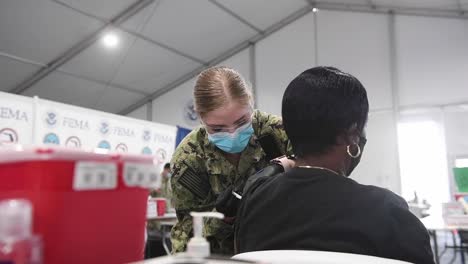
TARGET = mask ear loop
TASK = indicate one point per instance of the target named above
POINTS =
(348, 150)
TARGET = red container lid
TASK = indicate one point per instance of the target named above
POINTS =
(16, 153)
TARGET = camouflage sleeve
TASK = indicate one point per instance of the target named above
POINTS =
(188, 192)
(274, 124)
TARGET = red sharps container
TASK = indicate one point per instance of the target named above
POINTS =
(87, 207)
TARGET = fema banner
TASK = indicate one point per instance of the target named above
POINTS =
(64, 125)
(159, 140)
(77, 127)
(16, 119)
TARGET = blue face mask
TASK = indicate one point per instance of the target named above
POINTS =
(232, 142)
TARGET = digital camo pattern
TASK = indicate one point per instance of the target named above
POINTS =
(201, 172)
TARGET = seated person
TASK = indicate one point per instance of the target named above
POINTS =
(315, 206)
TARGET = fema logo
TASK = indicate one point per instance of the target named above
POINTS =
(104, 145)
(146, 151)
(51, 138)
(121, 148)
(73, 142)
(190, 115)
(161, 155)
(8, 136)
(104, 128)
(146, 135)
(51, 118)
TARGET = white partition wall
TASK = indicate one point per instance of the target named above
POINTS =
(281, 57)
(33, 121)
(432, 60)
(358, 43)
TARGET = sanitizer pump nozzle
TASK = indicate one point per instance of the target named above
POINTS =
(198, 246)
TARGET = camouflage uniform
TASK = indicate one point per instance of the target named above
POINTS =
(201, 172)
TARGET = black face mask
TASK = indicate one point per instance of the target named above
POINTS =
(355, 161)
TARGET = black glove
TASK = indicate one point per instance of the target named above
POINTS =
(227, 203)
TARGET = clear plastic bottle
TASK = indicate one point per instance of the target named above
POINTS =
(198, 246)
(17, 244)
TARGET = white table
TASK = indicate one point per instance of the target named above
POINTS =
(184, 258)
(166, 221)
(437, 223)
(316, 257)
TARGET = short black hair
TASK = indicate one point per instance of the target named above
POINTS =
(321, 104)
(167, 166)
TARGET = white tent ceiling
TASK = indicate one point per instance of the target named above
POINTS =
(49, 48)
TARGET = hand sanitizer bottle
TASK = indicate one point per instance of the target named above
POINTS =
(17, 244)
(198, 246)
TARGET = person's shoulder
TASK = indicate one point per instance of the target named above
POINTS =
(193, 142)
(189, 148)
(268, 120)
(268, 124)
(386, 196)
(262, 185)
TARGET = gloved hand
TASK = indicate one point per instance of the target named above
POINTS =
(227, 203)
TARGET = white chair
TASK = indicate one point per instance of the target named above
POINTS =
(314, 257)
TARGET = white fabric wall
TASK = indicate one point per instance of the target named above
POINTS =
(456, 132)
(379, 163)
(432, 65)
(456, 137)
(169, 108)
(432, 60)
(140, 113)
(432, 69)
(423, 156)
(358, 43)
(281, 57)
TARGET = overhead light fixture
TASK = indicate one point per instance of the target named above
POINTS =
(315, 10)
(110, 40)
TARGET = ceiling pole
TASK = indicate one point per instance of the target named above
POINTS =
(80, 46)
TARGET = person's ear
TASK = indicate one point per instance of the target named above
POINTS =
(352, 135)
(342, 140)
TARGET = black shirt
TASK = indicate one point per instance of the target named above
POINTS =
(314, 209)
